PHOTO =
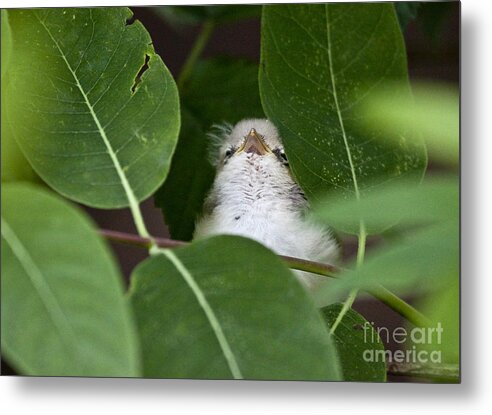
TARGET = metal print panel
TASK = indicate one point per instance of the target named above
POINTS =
(231, 192)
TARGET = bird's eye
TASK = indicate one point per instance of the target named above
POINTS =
(228, 153)
(281, 156)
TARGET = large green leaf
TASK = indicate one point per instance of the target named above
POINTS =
(320, 63)
(403, 203)
(63, 306)
(94, 109)
(219, 90)
(226, 307)
(358, 344)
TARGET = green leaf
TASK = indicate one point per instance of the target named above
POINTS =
(219, 90)
(358, 346)
(182, 194)
(406, 204)
(6, 50)
(434, 111)
(63, 309)
(199, 14)
(320, 64)
(226, 307)
(95, 110)
(15, 167)
(406, 12)
(423, 261)
(14, 164)
(443, 310)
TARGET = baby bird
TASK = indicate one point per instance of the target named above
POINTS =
(255, 196)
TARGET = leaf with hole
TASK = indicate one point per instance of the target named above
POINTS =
(63, 308)
(226, 307)
(320, 63)
(98, 117)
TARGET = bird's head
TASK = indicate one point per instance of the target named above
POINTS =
(253, 140)
(252, 168)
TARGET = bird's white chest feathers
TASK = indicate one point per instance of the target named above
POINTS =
(256, 197)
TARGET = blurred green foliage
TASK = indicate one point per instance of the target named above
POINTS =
(193, 15)
(14, 164)
(433, 112)
(424, 255)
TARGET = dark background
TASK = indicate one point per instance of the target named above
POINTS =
(432, 41)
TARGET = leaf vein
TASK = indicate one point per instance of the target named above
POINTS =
(209, 312)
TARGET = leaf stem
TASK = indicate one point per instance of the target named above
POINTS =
(139, 221)
(319, 268)
(382, 294)
(400, 306)
(361, 250)
(196, 51)
(443, 372)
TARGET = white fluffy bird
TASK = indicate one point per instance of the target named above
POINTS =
(254, 195)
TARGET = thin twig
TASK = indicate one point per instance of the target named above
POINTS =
(196, 51)
(131, 239)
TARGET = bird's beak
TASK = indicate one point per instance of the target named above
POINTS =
(254, 144)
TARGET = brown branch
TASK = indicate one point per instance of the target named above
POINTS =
(131, 239)
(295, 263)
